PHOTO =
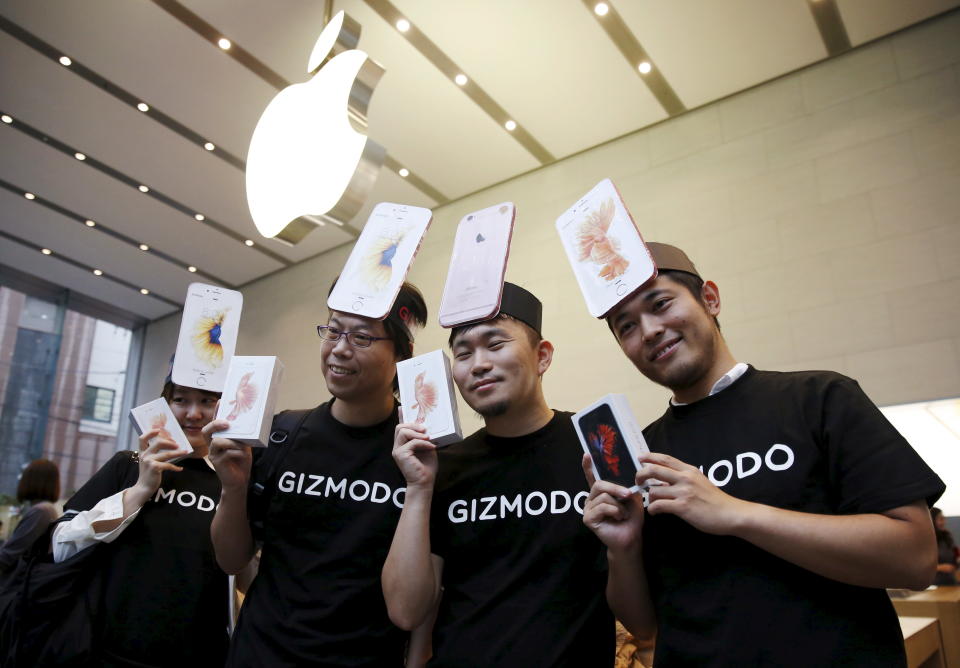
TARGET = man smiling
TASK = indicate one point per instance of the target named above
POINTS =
(501, 537)
(786, 501)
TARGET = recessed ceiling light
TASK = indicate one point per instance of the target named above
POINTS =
(97, 272)
(224, 43)
(403, 25)
(6, 119)
(46, 251)
(249, 242)
(601, 8)
(66, 62)
(143, 189)
(461, 79)
(143, 106)
(404, 172)
(144, 247)
(192, 269)
(510, 125)
(29, 195)
(79, 156)
(644, 67)
(89, 223)
(144, 291)
(209, 146)
(200, 217)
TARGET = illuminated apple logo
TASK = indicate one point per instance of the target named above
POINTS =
(309, 154)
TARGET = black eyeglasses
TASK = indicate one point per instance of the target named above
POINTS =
(356, 339)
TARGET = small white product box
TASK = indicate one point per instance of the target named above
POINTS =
(611, 436)
(427, 396)
(156, 414)
(605, 249)
(249, 398)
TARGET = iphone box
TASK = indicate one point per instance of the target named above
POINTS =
(605, 249)
(611, 436)
(427, 396)
(208, 337)
(475, 279)
(249, 398)
(156, 414)
(380, 260)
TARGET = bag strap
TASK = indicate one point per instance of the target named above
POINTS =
(286, 428)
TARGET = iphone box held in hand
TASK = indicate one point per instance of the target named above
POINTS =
(157, 415)
(613, 439)
(380, 260)
(208, 337)
(427, 398)
(475, 279)
(249, 398)
(605, 249)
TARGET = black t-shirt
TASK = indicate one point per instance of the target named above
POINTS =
(807, 441)
(523, 578)
(335, 501)
(166, 600)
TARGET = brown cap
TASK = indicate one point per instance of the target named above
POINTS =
(671, 258)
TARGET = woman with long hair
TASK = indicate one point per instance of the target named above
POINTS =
(38, 490)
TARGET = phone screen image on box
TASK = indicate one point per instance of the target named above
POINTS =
(242, 401)
(608, 449)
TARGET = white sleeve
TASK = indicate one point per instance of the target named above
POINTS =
(71, 536)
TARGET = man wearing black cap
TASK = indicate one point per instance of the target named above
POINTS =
(784, 503)
(500, 533)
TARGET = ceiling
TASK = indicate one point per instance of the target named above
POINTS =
(567, 77)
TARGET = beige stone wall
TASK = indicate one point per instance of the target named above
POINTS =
(825, 204)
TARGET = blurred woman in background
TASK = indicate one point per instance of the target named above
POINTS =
(946, 550)
(38, 490)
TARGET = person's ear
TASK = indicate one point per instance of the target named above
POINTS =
(710, 296)
(544, 356)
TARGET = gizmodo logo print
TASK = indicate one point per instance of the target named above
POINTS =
(779, 457)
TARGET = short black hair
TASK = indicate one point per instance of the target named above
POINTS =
(532, 336)
(691, 282)
(410, 299)
(40, 481)
(170, 387)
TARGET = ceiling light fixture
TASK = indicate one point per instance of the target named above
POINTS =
(29, 195)
(192, 269)
(403, 25)
(249, 242)
(97, 272)
(143, 189)
(144, 247)
(644, 67)
(79, 156)
(89, 223)
(510, 125)
(209, 146)
(6, 119)
(143, 106)
(460, 79)
(404, 172)
(144, 291)
(601, 9)
(224, 43)
(46, 251)
(66, 62)
(200, 217)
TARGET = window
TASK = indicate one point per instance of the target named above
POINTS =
(98, 403)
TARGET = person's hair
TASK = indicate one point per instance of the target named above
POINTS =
(40, 481)
(408, 298)
(532, 335)
(935, 512)
(170, 387)
(691, 282)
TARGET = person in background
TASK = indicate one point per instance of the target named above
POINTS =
(38, 490)
(805, 500)
(166, 601)
(328, 505)
(946, 550)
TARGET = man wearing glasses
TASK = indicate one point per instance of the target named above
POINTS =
(323, 504)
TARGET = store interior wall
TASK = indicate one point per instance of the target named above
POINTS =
(824, 204)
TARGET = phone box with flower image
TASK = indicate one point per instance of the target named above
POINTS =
(156, 415)
(427, 396)
(250, 397)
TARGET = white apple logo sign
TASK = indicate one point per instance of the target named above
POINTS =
(309, 155)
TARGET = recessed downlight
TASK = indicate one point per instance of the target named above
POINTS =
(79, 156)
(199, 217)
(143, 189)
(143, 106)
(249, 242)
(65, 61)
(29, 195)
(403, 25)
(6, 119)
(144, 291)
(46, 251)
(601, 9)
(209, 146)
(192, 269)
(404, 172)
(224, 43)
(460, 79)
(144, 247)
(510, 125)
(644, 67)
(97, 272)
(89, 223)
